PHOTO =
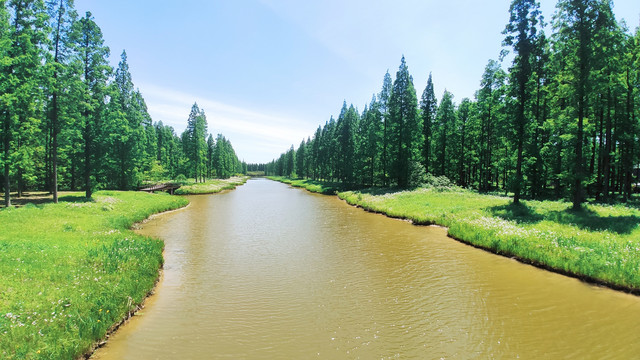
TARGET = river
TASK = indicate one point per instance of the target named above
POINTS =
(271, 272)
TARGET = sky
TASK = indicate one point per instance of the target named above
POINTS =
(267, 73)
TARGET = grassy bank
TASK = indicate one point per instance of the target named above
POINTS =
(321, 187)
(70, 271)
(599, 244)
(211, 186)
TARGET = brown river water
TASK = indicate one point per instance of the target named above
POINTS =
(271, 272)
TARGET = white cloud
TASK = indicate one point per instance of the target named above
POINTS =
(256, 136)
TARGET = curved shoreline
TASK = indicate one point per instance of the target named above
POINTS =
(102, 342)
(136, 226)
(525, 261)
(585, 278)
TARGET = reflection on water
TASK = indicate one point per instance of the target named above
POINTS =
(267, 271)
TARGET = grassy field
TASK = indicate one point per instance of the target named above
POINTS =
(600, 243)
(70, 271)
(211, 186)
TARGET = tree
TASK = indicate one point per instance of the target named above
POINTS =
(300, 160)
(211, 146)
(444, 120)
(521, 34)
(578, 26)
(490, 100)
(369, 144)
(465, 111)
(345, 129)
(62, 17)
(383, 99)
(405, 125)
(125, 129)
(91, 56)
(22, 72)
(429, 107)
(5, 100)
(195, 145)
(289, 162)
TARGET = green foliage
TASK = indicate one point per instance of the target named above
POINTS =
(194, 143)
(69, 120)
(64, 288)
(404, 126)
(562, 123)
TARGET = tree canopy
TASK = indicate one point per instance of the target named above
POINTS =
(562, 121)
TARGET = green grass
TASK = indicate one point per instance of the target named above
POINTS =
(211, 186)
(322, 187)
(599, 243)
(70, 271)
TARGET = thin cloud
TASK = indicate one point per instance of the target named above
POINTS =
(256, 136)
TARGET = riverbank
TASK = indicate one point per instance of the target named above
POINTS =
(600, 244)
(212, 186)
(71, 271)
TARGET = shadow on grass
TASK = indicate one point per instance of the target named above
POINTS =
(584, 219)
(40, 198)
(380, 191)
(589, 220)
(75, 199)
(520, 213)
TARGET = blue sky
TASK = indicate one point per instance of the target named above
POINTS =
(268, 72)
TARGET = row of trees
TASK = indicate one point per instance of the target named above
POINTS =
(195, 153)
(69, 120)
(563, 121)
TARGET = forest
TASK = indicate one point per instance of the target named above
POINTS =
(69, 120)
(562, 122)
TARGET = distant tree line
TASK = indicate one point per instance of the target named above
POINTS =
(562, 122)
(69, 120)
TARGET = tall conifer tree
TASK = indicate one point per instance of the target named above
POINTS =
(429, 107)
(521, 34)
(91, 57)
(406, 127)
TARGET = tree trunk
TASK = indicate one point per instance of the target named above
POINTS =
(606, 166)
(7, 182)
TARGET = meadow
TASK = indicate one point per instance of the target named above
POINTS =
(599, 244)
(70, 272)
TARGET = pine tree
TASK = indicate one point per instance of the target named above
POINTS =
(521, 34)
(406, 127)
(5, 100)
(91, 56)
(444, 121)
(194, 142)
(465, 111)
(578, 24)
(429, 107)
(383, 98)
(300, 160)
(22, 73)
(62, 17)
(490, 99)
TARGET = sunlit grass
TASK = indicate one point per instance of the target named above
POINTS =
(321, 187)
(600, 243)
(70, 271)
(211, 186)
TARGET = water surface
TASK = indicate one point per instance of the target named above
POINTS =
(270, 272)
